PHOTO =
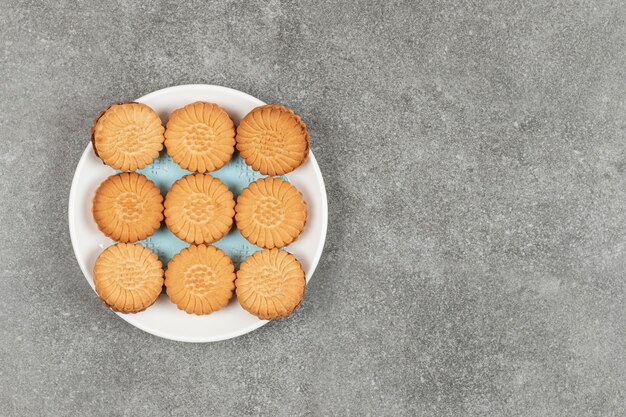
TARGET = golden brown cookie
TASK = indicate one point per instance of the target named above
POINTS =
(127, 136)
(199, 209)
(128, 277)
(200, 279)
(270, 284)
(270, 213)
(200, 137)
(273, 140)
(128, 207)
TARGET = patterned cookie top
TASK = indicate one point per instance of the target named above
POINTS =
(199, 209)
(128, 207)
(128, 277)
(200, 279)
(200, 137)
(273, 140)
(271, 213)
(270, 284)
(128, 136)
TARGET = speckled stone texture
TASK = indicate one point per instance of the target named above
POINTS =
(474, 154)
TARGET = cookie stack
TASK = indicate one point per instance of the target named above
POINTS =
(200, 209)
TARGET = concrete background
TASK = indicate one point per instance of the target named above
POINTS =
(474, 154)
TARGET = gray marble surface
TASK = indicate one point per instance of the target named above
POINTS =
(474, 154)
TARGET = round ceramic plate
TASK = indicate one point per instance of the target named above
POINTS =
(163, 318)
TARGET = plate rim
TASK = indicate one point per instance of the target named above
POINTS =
(129, 318)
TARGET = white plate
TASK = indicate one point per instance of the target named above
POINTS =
(163, 318)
